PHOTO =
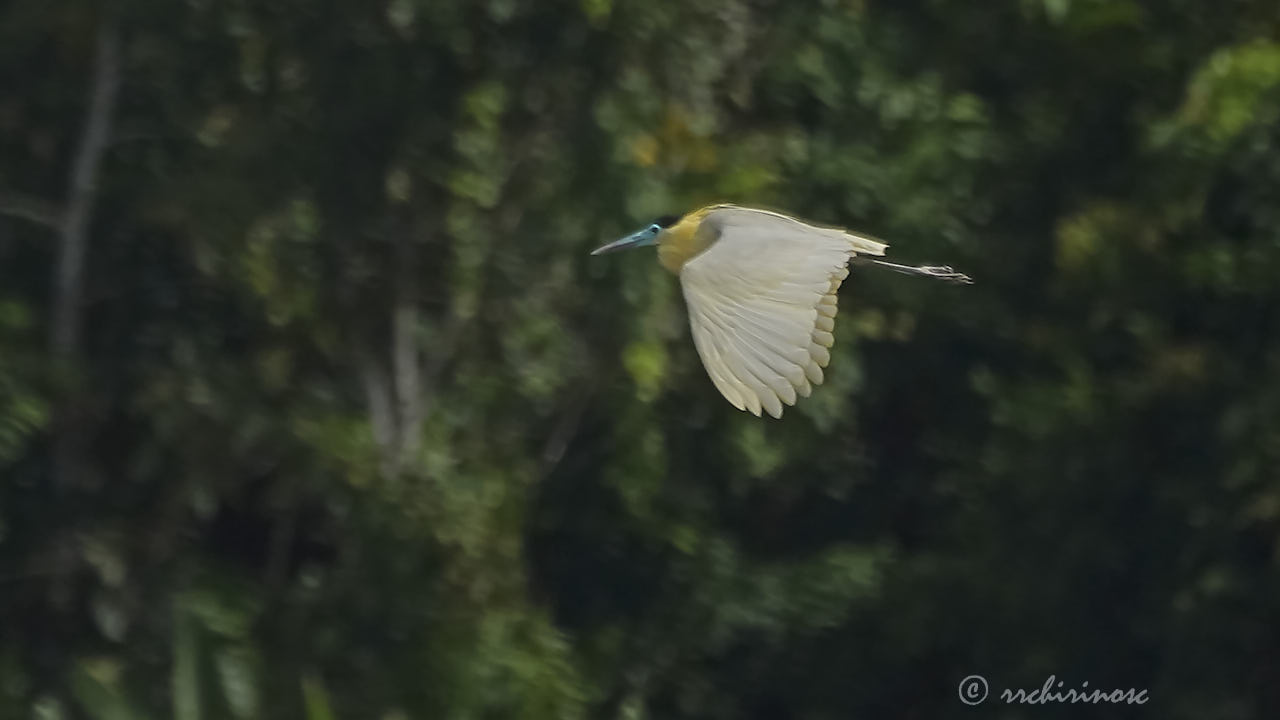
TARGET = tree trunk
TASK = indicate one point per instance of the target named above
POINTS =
(73, 243)
(83, 186)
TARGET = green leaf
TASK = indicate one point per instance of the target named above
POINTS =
(316, 699)
(186, 665)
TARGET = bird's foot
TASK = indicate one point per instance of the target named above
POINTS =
(946, 274)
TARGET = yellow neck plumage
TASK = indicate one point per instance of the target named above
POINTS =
(683, 241)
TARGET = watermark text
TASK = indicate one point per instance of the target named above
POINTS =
(974, 691)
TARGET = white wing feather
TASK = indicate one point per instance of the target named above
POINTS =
(762, 304)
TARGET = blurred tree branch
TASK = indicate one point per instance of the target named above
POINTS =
(31, 209)
(82, 191)
(377, 391)
(73, 241)
(405, 360)
(566, 427)
(398, 399)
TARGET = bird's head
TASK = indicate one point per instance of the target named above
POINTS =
(650, 235)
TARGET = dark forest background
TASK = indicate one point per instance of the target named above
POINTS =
(313, 405)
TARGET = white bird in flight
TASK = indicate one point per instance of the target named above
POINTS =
(761, 292)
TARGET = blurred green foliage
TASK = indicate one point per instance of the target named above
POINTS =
(369, 435)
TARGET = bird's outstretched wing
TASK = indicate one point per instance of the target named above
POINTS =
(762, 303)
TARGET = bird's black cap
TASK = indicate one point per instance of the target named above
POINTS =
(667, 221)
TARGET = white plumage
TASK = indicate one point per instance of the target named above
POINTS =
(761, 289)
(762, 303)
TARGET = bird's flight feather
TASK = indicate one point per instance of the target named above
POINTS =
(762, 303)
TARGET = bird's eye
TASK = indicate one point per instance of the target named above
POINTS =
(655, 228)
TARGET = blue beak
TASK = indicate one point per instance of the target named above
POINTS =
(647, 236)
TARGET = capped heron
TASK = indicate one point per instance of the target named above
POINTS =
(761, 292)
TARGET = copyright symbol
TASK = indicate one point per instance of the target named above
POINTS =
(973, 690)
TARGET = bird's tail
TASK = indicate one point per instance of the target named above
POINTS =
(864, 245)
